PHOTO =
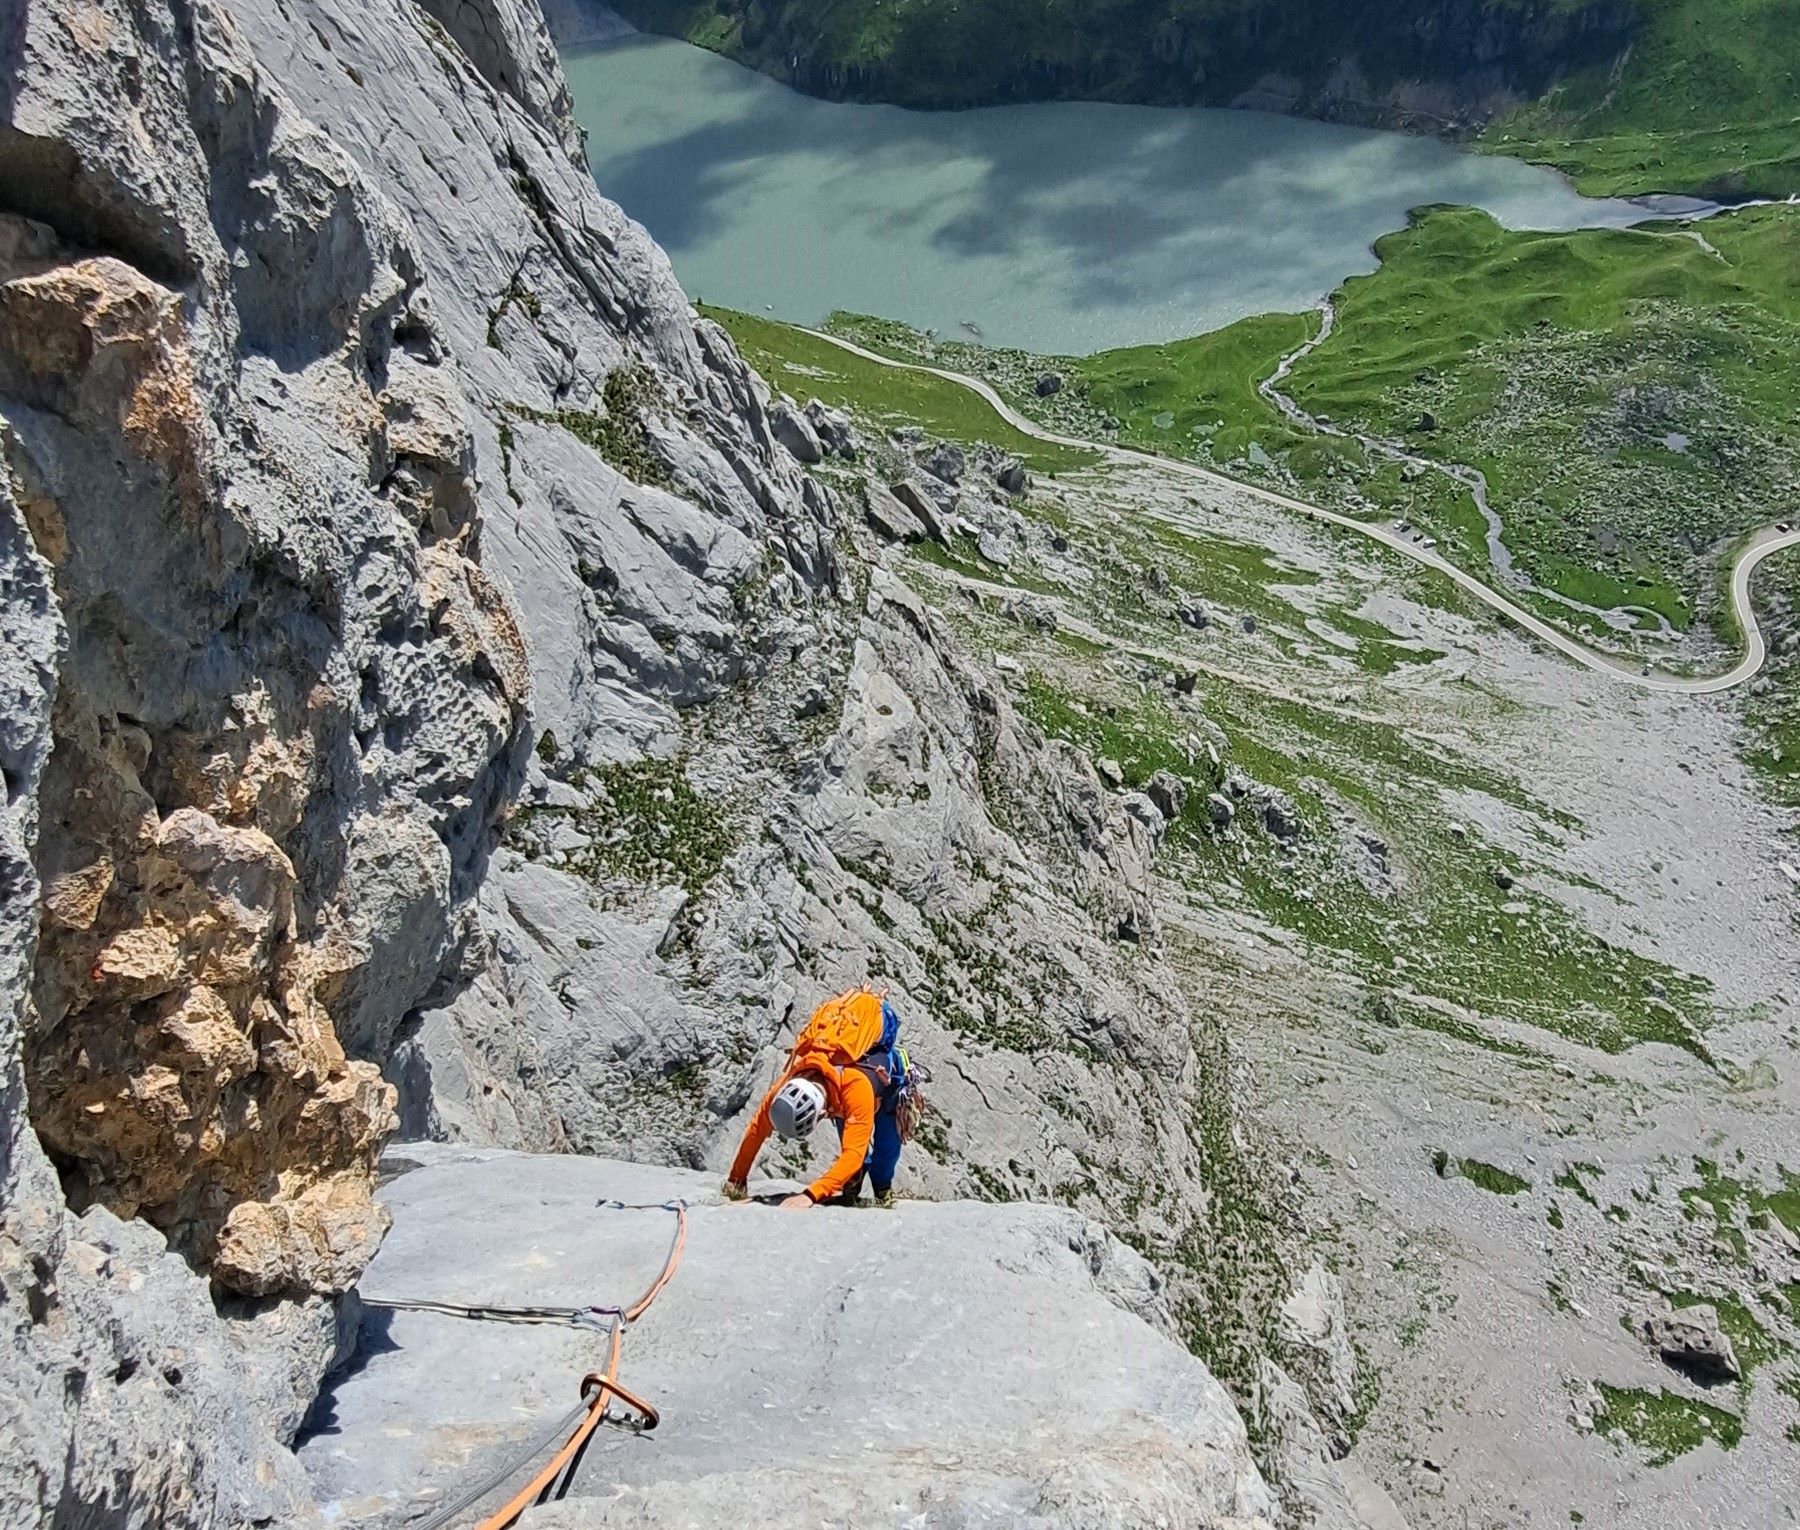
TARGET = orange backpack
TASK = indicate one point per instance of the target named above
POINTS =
(842, 1032)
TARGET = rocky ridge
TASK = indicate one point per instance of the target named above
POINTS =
(435, 695)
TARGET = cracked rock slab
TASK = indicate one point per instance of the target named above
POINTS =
(965, 1363)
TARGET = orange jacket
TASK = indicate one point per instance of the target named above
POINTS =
(850, 1098)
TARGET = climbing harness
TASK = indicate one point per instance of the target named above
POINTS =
(598, 1388)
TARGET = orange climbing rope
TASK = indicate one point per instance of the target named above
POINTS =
(604, 1385)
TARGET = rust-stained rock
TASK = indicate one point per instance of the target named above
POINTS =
(189, 1067)
(97, 341)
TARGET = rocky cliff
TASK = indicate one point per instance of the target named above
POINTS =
(434, 697)
(1440, 66)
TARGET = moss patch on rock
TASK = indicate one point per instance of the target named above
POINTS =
(619, 434)
(1664, 1423)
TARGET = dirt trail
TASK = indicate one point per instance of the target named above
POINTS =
(1759, 546)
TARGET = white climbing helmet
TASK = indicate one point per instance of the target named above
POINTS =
(796, 1108)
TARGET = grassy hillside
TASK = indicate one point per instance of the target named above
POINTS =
(806, 367)
(1707, 100)
(1631, 397)
(1288, 650)
(1628, 396)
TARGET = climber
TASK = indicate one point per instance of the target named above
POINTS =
(846, 1066)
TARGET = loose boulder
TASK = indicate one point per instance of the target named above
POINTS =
(945, 461)
(1049, 383)
(921, 504)
(891, 519)
(1169, 792)
(832, 427)
(1369, 859)
(1012, 477)
(994, 546)
(1691, 1340)
(794, 431)
(1277, 812)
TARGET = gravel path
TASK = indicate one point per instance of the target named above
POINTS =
(1759, 546)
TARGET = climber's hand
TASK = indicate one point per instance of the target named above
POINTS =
(733, 1190)
(797, 1203)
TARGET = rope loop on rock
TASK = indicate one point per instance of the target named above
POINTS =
(598, 1388)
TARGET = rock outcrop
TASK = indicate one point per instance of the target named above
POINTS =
(290, 703)
(1691, 1340)
(123, 1401)
(943, 1364)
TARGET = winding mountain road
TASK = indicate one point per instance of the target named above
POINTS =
(1761, 545)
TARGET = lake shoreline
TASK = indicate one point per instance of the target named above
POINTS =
(1059, 227)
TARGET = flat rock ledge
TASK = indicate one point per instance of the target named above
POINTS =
(942, 1364)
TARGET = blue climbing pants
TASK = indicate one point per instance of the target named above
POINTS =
(883, 1158)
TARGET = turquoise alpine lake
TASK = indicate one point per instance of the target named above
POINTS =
(1062, 227)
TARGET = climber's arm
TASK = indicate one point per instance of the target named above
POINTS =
(857, 1098)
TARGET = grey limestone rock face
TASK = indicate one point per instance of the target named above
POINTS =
(911, 830)
(960, 1364)
(441, 696)
(292, 703)
(120, 1392)
(655, 1014)
(345, 428)
(513, 50)
(915, 832)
